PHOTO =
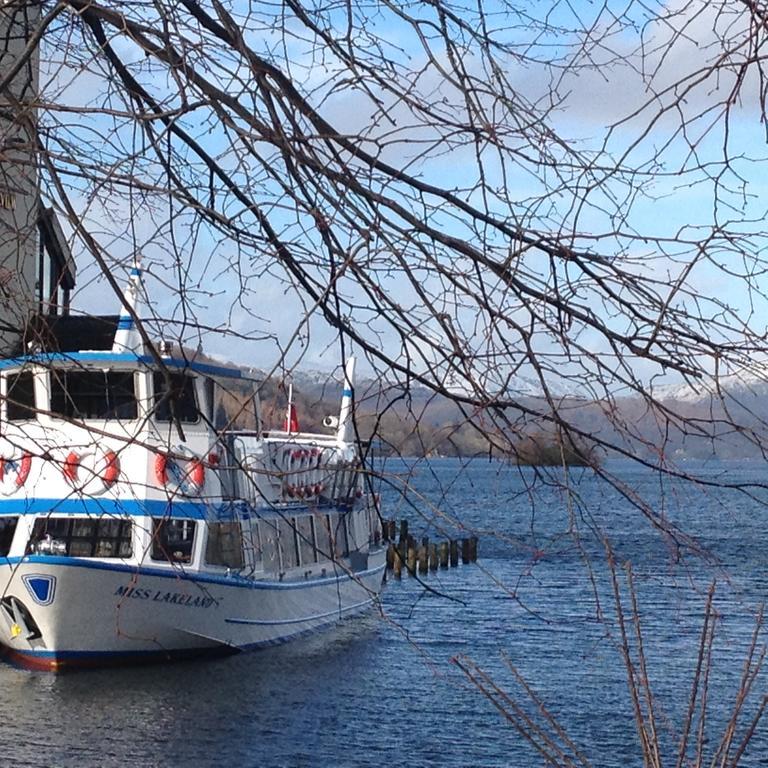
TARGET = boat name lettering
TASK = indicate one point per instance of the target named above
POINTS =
(158, 596)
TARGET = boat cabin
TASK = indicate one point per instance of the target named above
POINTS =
(168, 464)
(107, 388)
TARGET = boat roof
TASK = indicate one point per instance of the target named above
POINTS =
(87, 340)
(80, 359)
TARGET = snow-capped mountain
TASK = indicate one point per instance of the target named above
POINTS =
(749, 382)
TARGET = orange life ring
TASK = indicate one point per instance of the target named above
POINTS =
(111, 471)
(71, 463)
(161, 464)
(188, 482)
(21, 469)
(106, 470)
(197, 473)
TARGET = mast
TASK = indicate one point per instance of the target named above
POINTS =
(345, 413)
(127, 336)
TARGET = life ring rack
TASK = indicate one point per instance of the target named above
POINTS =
(302, 465)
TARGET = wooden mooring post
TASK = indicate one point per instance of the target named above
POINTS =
(454, 549)
(410, 562)
(397, 564)
(433, 560)
(473, 549)
(425, 557)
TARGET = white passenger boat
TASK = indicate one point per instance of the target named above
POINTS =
(146, 513)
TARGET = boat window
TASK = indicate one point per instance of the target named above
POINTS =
(336, 527)
(177, 402)
(258, 551)
(93, 394)
(7, 529)
(323, 536)
(82, 537)
(270, 553)
(208, 388)
(352, 525)
(225, 545)
(305, 532)
(342, 540)
(372, 524)
(234, 404)
(21, 396)
(289, 550)
(172, 540)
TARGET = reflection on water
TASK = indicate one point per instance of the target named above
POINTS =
(381, 689)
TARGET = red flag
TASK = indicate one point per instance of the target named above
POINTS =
(291, 420)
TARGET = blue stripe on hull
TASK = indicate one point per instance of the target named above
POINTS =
(177, 508)
(195, 510)
(177, 574)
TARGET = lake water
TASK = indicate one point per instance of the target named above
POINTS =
(382, 689)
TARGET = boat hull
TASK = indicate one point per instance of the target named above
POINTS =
(62, 612)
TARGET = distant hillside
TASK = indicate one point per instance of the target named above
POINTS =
(416, 423)
(686, 422)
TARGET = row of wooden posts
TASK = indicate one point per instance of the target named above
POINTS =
(427, 556)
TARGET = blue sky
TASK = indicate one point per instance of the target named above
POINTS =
(664, 191)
